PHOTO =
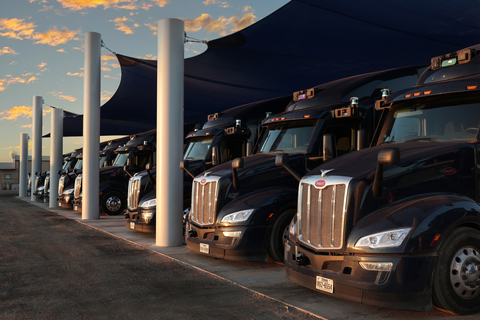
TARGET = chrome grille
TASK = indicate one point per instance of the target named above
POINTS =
(133, 192)
(47, 184)
(204, 200)
(321, 211)
(61, 185)
(78, 186)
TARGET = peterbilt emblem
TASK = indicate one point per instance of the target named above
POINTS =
(449, 171)
(203, 181)
(324, 172)
(320, 183)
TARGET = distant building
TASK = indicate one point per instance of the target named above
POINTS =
(10, 172)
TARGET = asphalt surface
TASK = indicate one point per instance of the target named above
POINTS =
(53, 265)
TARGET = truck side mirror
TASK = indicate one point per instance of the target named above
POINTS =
(236, 164)
(150, 176)
(281, 160)
(125, 168)
(385, 156)
(329, 147)
(105, 163)
(184, 164)
(215, 156)
(249, 148)
(360, 139)
(128, 163)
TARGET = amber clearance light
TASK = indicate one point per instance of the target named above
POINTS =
(408, 95)
(306, 116)
(471, 87)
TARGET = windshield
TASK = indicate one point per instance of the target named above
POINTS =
(288, 137)
(450, 118)
(78, 165)
(102, 160)
(65, 165)
(121, 159)
(197, 148)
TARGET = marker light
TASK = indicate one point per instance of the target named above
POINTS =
(427, 92)
(233, 234)
(471, 87)
(416, 94)
(408, 95)
(306, 116)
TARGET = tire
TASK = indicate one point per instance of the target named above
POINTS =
(276, 239)
(113, 203)
(456, 278)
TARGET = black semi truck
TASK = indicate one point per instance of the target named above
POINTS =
(398, 225)
(226, 135)
(67, 179)
(131, 158)
(240, 210)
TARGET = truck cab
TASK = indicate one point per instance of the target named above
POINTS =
(240, 210)
(398, 225)
(130, 159)
(226, 135)
(67, 179)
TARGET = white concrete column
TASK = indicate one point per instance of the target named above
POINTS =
(56, 154)
(91, 127)
(23, 165)
(170, 83)
(36, 140)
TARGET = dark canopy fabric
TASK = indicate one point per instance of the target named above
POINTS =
(303, 44)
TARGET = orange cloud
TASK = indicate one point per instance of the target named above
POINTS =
(221, 25)
(105, 95)
(16, 28)
(153, 27)
(54, 37)
(161, 3)
(20, 111)
(7, 50)
(121, 26)
(60, 95)
(26, 126)
(84, 4)
(222, 4)
(75, 74)
(61, 50)
(17, 112)
(246, 8)
(42, 65)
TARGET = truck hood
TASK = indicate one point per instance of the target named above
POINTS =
(363, 163)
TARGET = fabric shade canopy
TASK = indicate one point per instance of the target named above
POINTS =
(303, 44)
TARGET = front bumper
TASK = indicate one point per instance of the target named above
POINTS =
(134, 222)
(249, 246)
(406, 287)
(77, 204)
(65, 201)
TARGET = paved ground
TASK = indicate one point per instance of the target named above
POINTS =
(53, 265)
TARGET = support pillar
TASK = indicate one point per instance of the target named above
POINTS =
(170, 84)
(23, 165)
(56, 152)
(36, 141)
(91, 127)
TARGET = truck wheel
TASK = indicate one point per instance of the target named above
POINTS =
(276, 241)
(456, 278)
(113, 203)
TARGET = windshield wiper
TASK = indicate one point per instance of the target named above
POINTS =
(423, 139)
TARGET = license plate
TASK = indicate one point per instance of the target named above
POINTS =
(132, 225)
(324, 284)
(204, 248)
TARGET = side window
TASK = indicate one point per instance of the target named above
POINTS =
(231, 149)
(345, 139)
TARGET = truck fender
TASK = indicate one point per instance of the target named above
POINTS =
(108, 186)
(265, 202)
(432, 218)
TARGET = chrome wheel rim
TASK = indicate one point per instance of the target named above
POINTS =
(113, 203)
(465, 272)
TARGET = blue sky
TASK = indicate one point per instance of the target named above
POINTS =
(41, 49)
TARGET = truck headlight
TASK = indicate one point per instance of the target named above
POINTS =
(68, 191)
(149, 203)
(147, 216)
(386, 239)
(239, 216)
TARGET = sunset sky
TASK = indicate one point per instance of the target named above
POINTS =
(41, 49)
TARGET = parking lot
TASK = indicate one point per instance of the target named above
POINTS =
(56, 265)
